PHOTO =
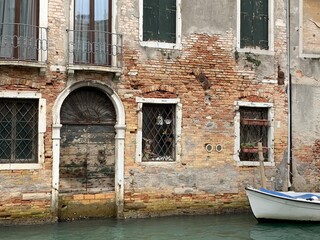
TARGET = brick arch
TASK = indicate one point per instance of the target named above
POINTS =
(155, 88)
(254, 98)
(159, 91)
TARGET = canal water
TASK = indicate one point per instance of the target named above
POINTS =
(226, 227)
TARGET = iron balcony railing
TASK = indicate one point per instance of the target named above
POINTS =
(23, 42)
(95, 48)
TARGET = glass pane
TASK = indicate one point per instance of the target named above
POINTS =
(27, 40)
(101, 27)
(7, 18)
(81, 34)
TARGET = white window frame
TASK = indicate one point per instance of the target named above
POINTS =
(301, 53)
(156, 44)
(270, 51)
(41, 129)
(178, 119)
(237, 149)
(43, 23)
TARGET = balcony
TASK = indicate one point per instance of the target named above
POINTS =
(95, 50)
(23, 45)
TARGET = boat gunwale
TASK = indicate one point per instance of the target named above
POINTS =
(290, 198)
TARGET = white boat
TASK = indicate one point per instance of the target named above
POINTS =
(268, 205)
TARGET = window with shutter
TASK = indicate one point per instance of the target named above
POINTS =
(159, 20)
(254, 20)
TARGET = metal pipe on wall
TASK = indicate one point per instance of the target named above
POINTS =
(289, 149)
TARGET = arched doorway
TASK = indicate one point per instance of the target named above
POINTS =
(87, 155)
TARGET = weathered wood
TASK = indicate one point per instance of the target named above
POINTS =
(261, 160)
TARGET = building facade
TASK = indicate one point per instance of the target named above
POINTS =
(135, 108)
(304, 62)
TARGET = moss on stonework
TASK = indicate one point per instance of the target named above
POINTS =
(165, 207)
(73, 210)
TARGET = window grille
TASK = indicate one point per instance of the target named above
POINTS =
(18, 130)
(158, 127)
(254, 126)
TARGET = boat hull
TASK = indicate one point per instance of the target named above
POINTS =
(269, 207)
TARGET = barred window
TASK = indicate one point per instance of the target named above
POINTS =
(18, 130)
(158, 132)
(254, 125)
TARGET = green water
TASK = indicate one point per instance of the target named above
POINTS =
(225, 227)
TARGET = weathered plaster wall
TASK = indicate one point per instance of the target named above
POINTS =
(201, 182)
(305, 72)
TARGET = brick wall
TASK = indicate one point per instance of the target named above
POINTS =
(207, 75)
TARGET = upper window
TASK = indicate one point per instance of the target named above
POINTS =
(160, 132)
(22, 127)
(159, 20)
(21, 37)
(309, 25)
(255, 29)
(253, 124)
(160, 23)
(92, 32)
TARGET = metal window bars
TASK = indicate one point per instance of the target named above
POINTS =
(95, 48)
(158, 132)
(23, 42)
(254, 126)
(18, 131)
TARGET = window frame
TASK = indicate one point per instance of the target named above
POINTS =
(237, 124)
(269, 51)
(177, 131)
(91, 58)
(157, 44)
(41, 129)
(42, 55)
(301, 50)
(74, 66)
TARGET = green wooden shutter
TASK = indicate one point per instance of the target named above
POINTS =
(246, 23)
(260, 24)
(254, 24)
(159, 20)
(150, 19)
(167, 21)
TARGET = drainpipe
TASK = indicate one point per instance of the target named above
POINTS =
(289, 150)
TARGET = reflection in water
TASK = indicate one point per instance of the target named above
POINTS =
(227, 227)
(264, 231)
